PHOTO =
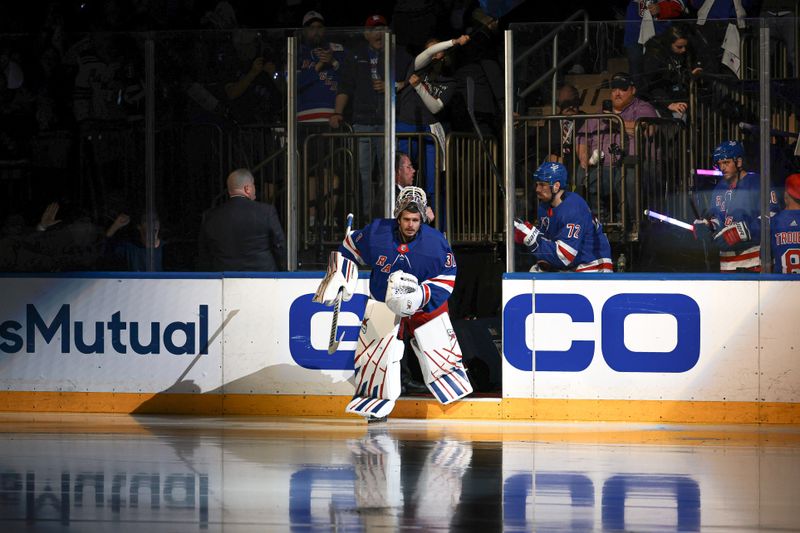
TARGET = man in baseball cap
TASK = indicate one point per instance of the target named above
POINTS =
(312, 16)
(375, 21)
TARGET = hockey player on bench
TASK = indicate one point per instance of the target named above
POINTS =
(413, 273)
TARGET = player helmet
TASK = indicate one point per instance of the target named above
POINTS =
(551, 173)
(793, 186)
(411, 199)
(727, 150)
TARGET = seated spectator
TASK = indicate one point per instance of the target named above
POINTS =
(603, 150)
(241, 234)
(557, 144)
(643, 20)
(668, 65)
(132, 251)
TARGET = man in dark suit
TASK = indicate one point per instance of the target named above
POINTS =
(241, 234)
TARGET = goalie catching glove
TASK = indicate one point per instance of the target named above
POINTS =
(403, 293)
(525, 233)
(342, 274)
(733, 234)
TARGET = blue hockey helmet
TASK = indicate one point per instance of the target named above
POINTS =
(727, 150)
(551, 173)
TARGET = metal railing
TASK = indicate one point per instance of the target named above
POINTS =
(474, 203)
(662, 177)
(552, 73)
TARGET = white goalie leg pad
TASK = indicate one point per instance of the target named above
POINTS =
(342, 274)
(377, 363)
(439, 355)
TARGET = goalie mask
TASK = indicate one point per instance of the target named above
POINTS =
(411, 199)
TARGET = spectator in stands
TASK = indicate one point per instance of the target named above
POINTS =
(712, 37)
(318, 65)
(733, 217)
(557, 144)
(362, 86)
(668, 66)
(645, 19)
(404, 177)
(419, 105)
(72, 242)
(131, 251)
(241, 234)
(785, 229)
(478, 60)
(602, 148)
(252, 93)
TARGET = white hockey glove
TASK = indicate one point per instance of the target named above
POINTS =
(342, 274)
(403, 293)
(526, 233)
(735, 233)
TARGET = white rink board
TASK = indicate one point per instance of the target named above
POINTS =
(83, 303)
(730, 355)
(274, 340)
(780, 341)
(260, 355)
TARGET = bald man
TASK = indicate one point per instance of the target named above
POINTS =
(241, 234)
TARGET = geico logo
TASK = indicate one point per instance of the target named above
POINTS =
(616, 354)
(301, 315)
(577, 492)
(178, 337)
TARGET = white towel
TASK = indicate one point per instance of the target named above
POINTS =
(702, 13)
(648, 28)
(730, 47)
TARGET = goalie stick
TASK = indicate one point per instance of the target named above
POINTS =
(333, 342)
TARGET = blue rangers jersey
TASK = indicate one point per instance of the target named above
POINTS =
(739, 204)
(428, 257)
(316, 91)
(785, 229)
(571, 238)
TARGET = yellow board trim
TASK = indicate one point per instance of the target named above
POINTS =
(333, 406)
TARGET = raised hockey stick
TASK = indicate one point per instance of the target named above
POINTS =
(333, 342)
(471, 112)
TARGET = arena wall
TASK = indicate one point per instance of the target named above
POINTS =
(633, 347)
